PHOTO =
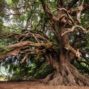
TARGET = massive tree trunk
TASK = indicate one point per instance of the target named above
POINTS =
(65, 73)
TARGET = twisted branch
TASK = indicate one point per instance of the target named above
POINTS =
(68, 15)
(73, 29)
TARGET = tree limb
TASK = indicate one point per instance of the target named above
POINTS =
(79, 11)
(74, 51)
(47, 11)
(46, 8)
(14, 49)
(73, 29)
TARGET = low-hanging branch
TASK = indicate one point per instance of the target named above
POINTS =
(29, 43)
(14, 49)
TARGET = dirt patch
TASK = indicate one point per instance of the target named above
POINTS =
(34, 85)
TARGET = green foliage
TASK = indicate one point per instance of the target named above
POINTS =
(43, 71)
(83, 66)
(26, 71)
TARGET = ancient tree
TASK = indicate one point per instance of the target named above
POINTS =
(66, 21)
(68, 34)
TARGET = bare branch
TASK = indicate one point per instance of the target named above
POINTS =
(79, 10)
(25, 58)
(73, 11)
(73, 29)
(29, 34)
(28, 43)
(74, 51)
(46, 8)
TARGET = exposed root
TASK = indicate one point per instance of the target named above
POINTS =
(67, 75)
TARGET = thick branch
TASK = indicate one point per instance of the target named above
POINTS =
(29, 43)
(46, 8)
(74, 51)
(29, 34)
(47, 11)
(83, 8)
(14, 49)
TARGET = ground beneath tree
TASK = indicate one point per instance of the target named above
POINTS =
(34, 85)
